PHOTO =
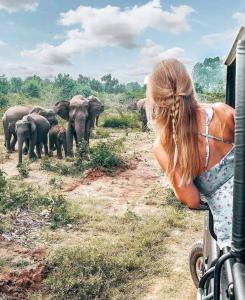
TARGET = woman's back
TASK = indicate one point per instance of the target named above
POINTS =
(221, 126)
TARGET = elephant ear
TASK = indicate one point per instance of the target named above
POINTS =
(32, 123)
(62, 108)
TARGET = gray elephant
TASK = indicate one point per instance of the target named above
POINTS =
(57, 140)
(33, 130)
(76, 112)
(132, 106)
(48, 114)
(10, 117)
(95, 109)
(142, 111)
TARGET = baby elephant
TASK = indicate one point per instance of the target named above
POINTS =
(57, 140)
(33, 130)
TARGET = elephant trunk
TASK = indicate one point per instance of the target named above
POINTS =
(80, 130)
(20, 147)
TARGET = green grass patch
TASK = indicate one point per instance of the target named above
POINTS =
(104, 155)
(122, 120)
(112, 268)
(13, 198)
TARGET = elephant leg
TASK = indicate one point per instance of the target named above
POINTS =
(45, 145)
(38, 150)
(8, 145)
(26, 148)
(32, 154)
(97, 121)
(69, 139)
(92, 121)
(87, 130)
(65, 149)
(75, 138)
(13, 143)
(59, 153)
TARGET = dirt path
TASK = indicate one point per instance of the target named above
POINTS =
(128, 190)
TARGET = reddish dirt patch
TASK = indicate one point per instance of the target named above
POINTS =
(17, 284)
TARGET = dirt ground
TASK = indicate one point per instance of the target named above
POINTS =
(114, 195)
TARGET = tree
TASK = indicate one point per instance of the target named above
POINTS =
(31, 88)
(67, 86)
(15, 84)
(83, 79)
(210, 74)
(96, 85)
(110, 84)
(4, 85)
(3, 101)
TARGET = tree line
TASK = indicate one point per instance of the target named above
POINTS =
(64, 87)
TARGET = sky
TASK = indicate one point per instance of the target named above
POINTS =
(123, 37)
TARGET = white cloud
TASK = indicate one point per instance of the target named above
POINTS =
(110, 26)
(24, 70)
(240, 17)
(214, 39)
(15, 5)
(2, 44)
(150, 55)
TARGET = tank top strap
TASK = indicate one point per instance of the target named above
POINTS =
(209, 116)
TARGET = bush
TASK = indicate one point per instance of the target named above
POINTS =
(4, 102)
(23, 170)
(123, 120)
(107, 155)
(28, 198)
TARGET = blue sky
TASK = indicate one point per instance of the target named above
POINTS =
(123, 37)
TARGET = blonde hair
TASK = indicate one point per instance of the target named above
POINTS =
(172, 110)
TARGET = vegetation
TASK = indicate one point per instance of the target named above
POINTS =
(209, 76)
(106, 156)
(14, 198)
(122, 120)
(109, 269)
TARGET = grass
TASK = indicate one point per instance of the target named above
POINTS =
(122, 120)
(110, 268)
(103, 155)
(24, 169)
(14, 198)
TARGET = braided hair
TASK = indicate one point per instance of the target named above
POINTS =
(170, 95)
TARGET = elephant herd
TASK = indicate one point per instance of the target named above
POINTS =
(36, 127)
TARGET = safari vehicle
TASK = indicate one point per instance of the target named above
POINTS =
(220, 273)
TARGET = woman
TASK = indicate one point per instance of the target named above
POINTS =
(194, 145)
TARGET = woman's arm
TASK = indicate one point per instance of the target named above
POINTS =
(186, 194)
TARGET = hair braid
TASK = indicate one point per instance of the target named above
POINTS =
(174, 117)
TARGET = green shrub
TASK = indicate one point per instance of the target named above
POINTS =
(101, 133)
(107, 155)
(4, 102)
(123, 120)
(3, 182)
(23, 170)
(59, 214)
(28, 198)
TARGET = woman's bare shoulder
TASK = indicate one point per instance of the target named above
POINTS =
(223, 108)
(224, 112)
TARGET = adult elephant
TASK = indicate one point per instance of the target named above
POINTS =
(10, 117)
(46, 113)
(95, 109)
(141, 109)
(76, 112)
(33, 130)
